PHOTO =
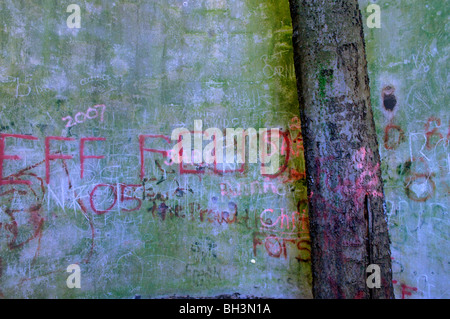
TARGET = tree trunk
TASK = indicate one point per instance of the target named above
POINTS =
(346, 201)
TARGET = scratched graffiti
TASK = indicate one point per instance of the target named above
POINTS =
(24, 219)
(156, 192)
(87, 177)
(409, 94)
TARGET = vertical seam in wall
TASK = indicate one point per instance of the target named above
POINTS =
(369, 230)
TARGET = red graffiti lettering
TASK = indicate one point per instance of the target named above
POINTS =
(11, 157)
(142, 139)
(393, 136)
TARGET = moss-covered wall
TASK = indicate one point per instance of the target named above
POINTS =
(155, 66)
(408, 70)
(143, 68)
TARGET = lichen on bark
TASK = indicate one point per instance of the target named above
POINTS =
(345, 188)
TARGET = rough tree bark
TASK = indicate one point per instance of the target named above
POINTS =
(346, 201)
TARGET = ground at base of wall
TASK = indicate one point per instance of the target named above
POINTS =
(224, 296)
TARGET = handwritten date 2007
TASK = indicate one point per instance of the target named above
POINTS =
(80, 117)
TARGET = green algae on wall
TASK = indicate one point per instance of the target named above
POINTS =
(140, 67)
(408, 63)
(145, 68)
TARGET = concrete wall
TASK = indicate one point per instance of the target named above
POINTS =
(145, 68)
(408, 64)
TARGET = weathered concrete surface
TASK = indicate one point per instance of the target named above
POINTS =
(408, 64)
(158, 65)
